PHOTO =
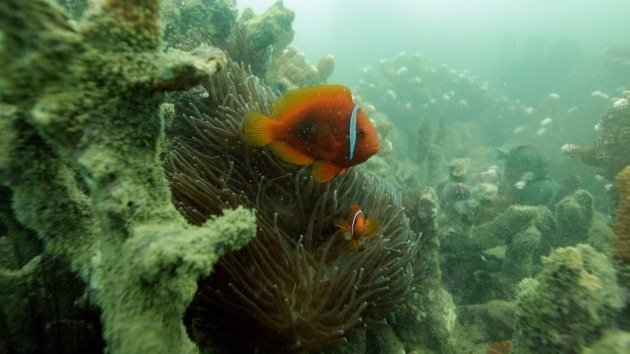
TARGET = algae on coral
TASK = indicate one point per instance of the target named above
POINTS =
(81, 160)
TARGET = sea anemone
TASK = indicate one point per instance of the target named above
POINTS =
(298, 285)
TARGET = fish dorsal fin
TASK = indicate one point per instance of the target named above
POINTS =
(290, 154)
(325, 171)
(293, 98)
(371, 226)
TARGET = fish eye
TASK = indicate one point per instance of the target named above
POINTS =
(361, 133)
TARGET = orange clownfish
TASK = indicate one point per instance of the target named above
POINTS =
(319, 125)
(356, 226)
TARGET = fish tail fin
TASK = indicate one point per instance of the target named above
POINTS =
(325, 171)
(258, 129)
(371, 226)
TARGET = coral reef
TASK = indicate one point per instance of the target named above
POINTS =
(512, 221)
(526, 179)
(188, 24)
(501, 252)
(81, 137)
(290, 69)
(519, 258)
(429, 326)
(475, 260)
(574, 215)
(456, 113)
(260, 42)
(606, 153)
(249, 38)
(419, 87)
(492, 321)
(256, 40)
(297, 285)
(569, 303)
(125, 221)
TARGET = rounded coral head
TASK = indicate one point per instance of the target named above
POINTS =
(367, 139)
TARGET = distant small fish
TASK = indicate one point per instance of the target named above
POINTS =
(356, 226)
(320, 125)
(569, 148)
(546, 121)
(599, 94)
(554, 96)
(519, 130)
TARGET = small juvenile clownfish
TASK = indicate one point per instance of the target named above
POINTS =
(318, 125)
(356, 226)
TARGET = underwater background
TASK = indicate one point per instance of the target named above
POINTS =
(143, 210)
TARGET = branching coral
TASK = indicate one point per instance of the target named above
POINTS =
(81, 134)
(297, 285)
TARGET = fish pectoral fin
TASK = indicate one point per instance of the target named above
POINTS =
(345, 229)
(370, 227)
(325, 171)
(258, 128)
(342, 225)
(290, 154)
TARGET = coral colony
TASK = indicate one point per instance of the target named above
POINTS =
(176, 177)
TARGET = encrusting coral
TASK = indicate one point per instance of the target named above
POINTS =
(80, 154)
(298, 285)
